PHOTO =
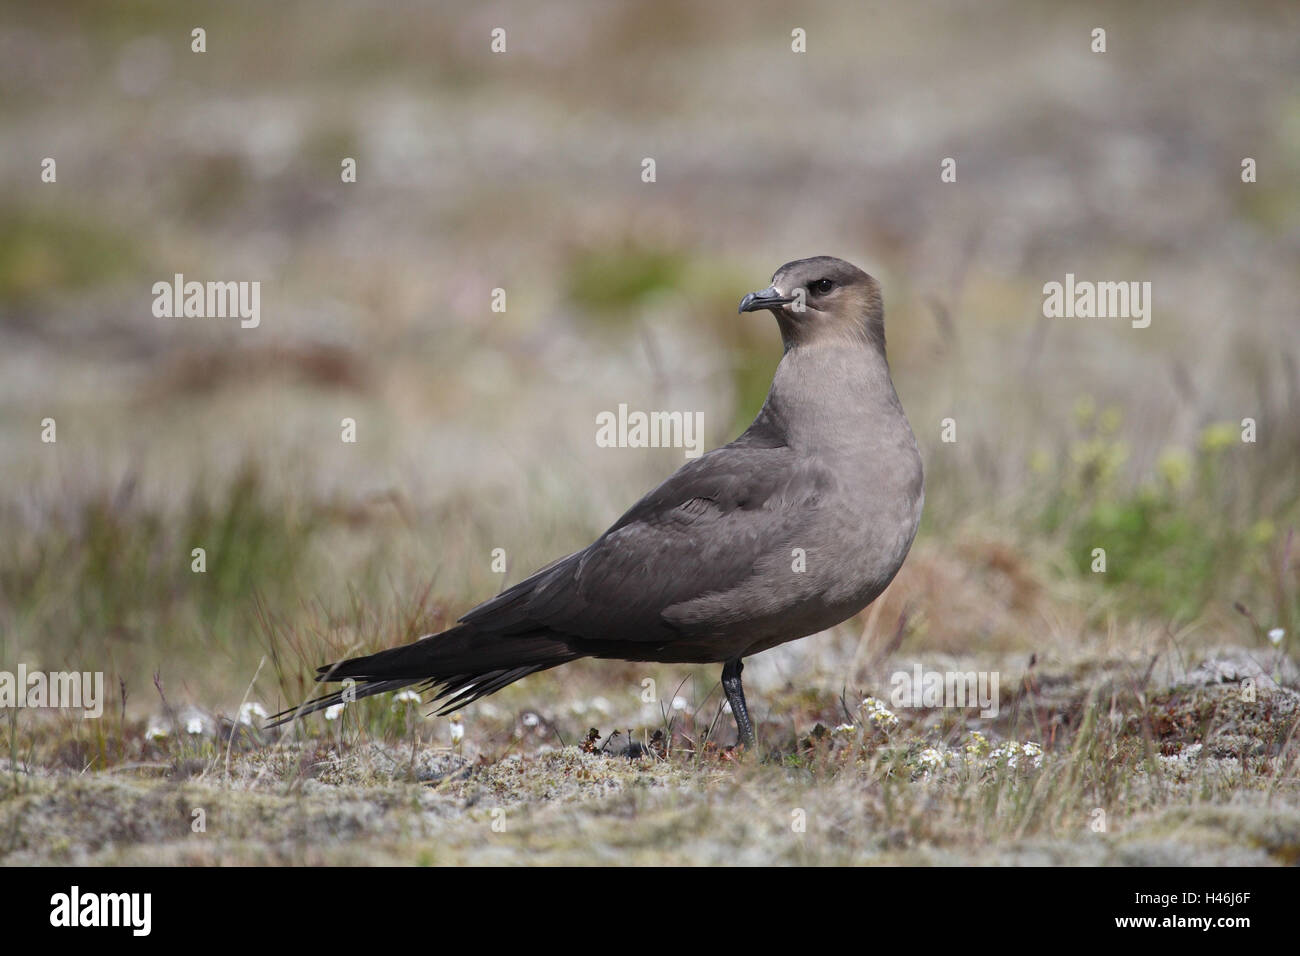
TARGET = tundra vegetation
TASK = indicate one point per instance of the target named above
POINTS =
(1111, 513)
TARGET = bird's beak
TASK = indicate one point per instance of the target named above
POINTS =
(767, 298)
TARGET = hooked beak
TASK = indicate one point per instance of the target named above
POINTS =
(767, 298)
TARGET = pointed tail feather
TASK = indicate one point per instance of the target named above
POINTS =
(329, 700)
(463, 664)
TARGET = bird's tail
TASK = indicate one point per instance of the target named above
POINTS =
(462, 663)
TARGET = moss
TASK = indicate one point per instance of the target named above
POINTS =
(43, 252)
(610, 283)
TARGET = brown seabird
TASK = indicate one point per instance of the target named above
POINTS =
(792, 528)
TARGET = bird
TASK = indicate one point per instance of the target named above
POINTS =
(792, 528)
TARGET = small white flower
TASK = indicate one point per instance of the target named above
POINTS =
(1276, 636)
(1033, 752)
(679, 703)
(404, 698)
(1009, 751)
(333, 711)
(930, 759)
(531, 720)
(457, 731)
(250, 710)
(578, 707)
(879, 714)
(600, 704)
(155, 730)
(845, 729)
(194, 725)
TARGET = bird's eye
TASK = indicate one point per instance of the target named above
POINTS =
(821, 286)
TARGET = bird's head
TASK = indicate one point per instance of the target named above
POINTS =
(822, 299)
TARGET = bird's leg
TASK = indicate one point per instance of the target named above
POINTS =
(736, 697)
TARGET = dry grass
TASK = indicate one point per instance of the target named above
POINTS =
(1120, 784)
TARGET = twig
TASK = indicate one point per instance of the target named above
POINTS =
(235, 724)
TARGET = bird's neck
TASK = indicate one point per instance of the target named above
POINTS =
(827, 393)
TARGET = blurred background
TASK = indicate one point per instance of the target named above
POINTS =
(522, 171)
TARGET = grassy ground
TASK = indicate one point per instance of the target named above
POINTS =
(1164, 714)
(1134, 774)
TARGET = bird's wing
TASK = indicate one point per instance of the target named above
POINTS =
(700, 532)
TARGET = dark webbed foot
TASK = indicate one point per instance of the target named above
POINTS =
(736, 697)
